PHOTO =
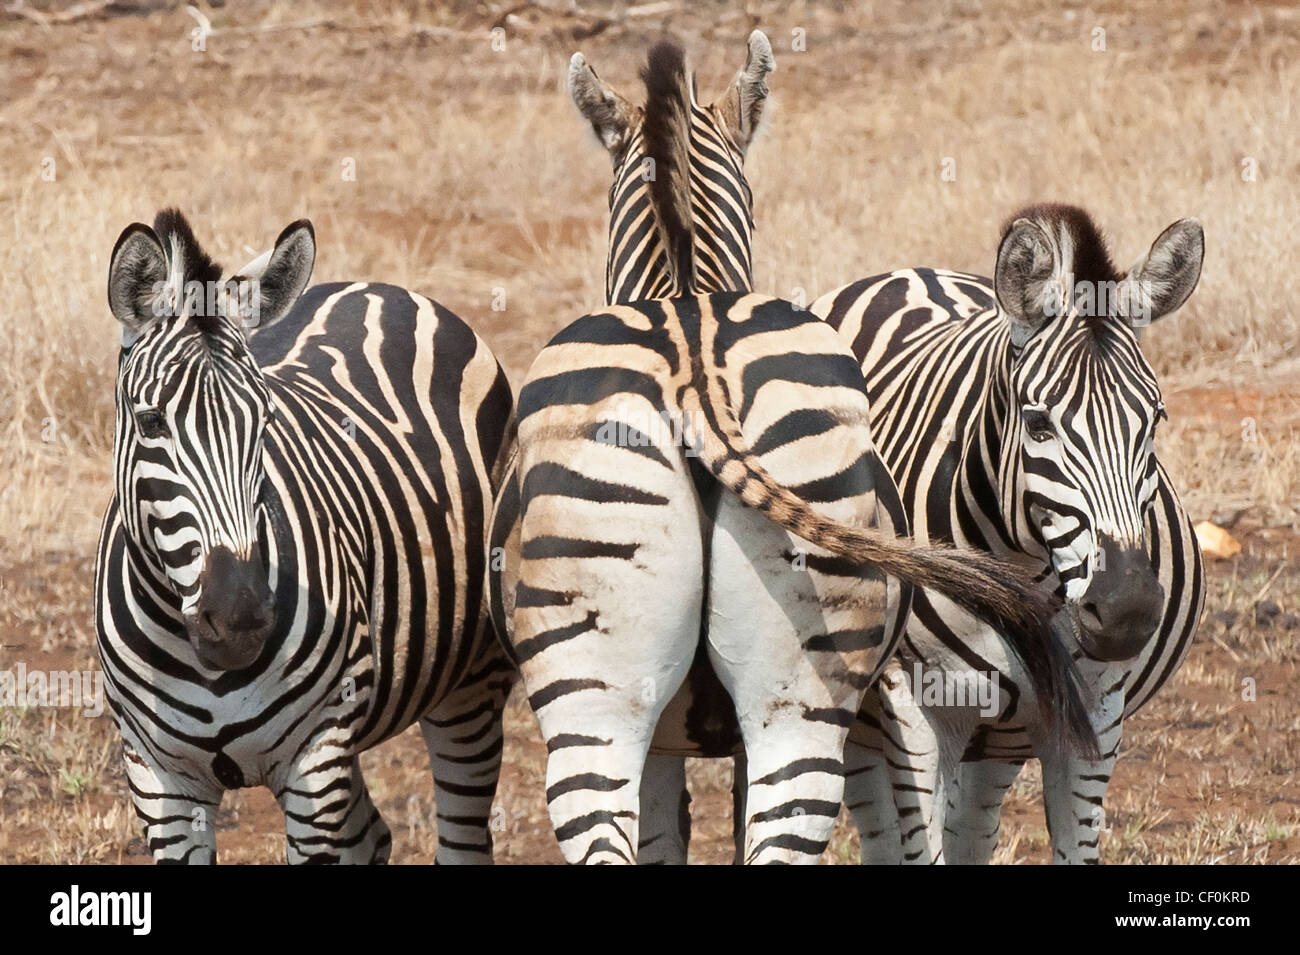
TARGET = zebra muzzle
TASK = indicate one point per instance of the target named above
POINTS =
(234, 614)
(1123, 605)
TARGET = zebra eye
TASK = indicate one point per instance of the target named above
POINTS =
(1161, 415)
(1039, 424)
(151, 423)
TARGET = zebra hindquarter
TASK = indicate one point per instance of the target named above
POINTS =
(607, 607)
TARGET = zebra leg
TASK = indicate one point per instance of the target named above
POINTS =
(974, 815)
(607, 610)
(176, 812)
(328, 814)
(868, 788)
(599, 671)
(894, 776)
(665, 811)
(921, 756)
(593, 788)
(598, 692)
(463, 734)
(1074, 792)
(869, 797)
(795, 786)
(795, 686)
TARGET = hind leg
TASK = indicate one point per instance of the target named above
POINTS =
(665, 812)
(607, 613)
(795, 647)
(797, 636)
(593, 780)
(597, 680)
(463, 734)
(700, 720)
(597, 701)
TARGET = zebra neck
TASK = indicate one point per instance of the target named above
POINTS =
(977, 514)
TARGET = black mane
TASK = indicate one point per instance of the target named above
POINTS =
(1092, 262)
(197, 265)
(666, 130)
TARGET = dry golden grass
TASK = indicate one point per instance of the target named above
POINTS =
(473, 173)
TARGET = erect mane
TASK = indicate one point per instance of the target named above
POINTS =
(666, 130)
(185, 255)
(1091, 260)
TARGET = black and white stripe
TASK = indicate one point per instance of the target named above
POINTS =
(1019, 419)
(291, 570)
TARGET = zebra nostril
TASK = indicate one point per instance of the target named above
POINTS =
(248, 612)
(1090, 613)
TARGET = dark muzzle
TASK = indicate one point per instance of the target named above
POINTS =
(1123, 605)
(234, 614)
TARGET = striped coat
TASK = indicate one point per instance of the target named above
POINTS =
(1026, 431)
(345, 453)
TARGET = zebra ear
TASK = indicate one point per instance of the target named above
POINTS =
(1161, 281)
(611, 116)
(137, 278)
(1028, 280)
(742, 105)
(267, 287)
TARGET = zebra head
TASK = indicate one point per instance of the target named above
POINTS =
(192, 411)
(1077, 467)
(681, 212)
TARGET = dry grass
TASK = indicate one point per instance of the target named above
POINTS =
(473, 173)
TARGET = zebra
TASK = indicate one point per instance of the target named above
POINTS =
(291, 568)
(676, 456)
(1018, 416)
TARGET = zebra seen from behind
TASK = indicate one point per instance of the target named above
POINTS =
(291, 569)
(1018, 416)
(677, 459)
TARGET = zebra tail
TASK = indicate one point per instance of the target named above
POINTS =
(990, 589)
(1074, 733)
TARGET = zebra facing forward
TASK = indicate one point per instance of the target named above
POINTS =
(291, 569)
(1019, 416)
(677, 458)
